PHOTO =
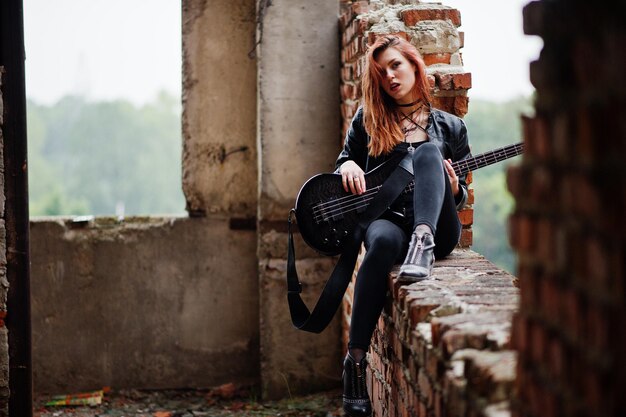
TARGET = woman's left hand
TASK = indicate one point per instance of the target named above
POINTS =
(454, 180)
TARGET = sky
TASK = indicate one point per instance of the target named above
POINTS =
(496, 51)
(131, 49)
(103, 49)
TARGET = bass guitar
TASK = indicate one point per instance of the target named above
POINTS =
(327, 214)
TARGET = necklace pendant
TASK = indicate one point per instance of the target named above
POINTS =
(410, 148)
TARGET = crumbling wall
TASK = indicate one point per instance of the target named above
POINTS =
(143, 303)
(198, 301)
(4, 284)
(166, 302)
(219, 108)
(568, 226)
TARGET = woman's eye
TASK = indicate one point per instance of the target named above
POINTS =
(395, 65)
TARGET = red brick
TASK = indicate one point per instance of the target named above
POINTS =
(425, 387)
(571, 312)
(444, 103)
(561, 135)
(422, 411)
(453, 340)
(519, 336)
(437, 58)
(439, 409)
(467, 238)
(420, 308)
(541, 185)
(372, 36)
(588, 201)
(461, 104)
(538, 342)
(360, 7)
(597, 331)
(466, 216)
(462, 81)
(545, 242)
(586, 143)
(470, 196)
(536, 137)
(516, 181)
(595, 391)
(556, 360)
(522, 234)
(412, 16)
(345, 18)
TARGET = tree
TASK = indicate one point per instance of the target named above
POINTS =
(493, 125)
(100, 157)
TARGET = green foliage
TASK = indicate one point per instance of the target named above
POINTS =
(492, 125)
(89, 157)
(103, 157)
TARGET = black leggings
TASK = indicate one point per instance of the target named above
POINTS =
(386, 240)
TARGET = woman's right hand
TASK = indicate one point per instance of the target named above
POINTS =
(352, 177)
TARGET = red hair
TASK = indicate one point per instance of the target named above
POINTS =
(379, 109)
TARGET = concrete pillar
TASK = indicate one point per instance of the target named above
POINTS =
(298, 131)
(219, 108)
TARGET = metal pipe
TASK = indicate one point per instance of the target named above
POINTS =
(12, 57)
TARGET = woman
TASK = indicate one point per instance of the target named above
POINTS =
(396, 116)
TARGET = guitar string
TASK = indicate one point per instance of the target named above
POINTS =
(454, 164)
(338, 206)
(488, 159)
(333, 208)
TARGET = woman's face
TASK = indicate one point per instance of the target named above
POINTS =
(398, 75)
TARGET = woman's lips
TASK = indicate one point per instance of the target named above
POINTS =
(394, 87)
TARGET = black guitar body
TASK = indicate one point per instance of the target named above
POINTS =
(327, 214)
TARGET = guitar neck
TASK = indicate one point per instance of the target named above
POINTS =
(463, 166)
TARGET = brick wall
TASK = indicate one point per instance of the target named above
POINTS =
(433, 29)
(568, 226)
(442, 347)
(4, 284)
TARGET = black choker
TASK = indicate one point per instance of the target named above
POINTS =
(409, 105)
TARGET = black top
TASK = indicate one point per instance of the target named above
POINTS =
(445, 130)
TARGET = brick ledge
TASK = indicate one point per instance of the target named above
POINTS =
(442, 346)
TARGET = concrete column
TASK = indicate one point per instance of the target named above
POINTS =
(219, 102)
(298, 132)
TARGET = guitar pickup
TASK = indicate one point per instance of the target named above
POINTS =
(331, 210)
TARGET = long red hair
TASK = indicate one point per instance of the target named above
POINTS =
(379, 109)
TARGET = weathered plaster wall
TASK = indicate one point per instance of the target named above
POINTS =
(298, 136)
(153, 303)
(4, 284)
(184, 302)
(219, 107)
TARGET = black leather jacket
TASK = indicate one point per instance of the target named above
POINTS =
(446, 131)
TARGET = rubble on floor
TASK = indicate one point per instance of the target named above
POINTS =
(224, 401)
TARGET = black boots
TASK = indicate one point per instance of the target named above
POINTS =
(356, 402)
(420, 258)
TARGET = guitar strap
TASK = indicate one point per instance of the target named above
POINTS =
(335, 287)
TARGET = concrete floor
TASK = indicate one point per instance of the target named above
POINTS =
(221, 402)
